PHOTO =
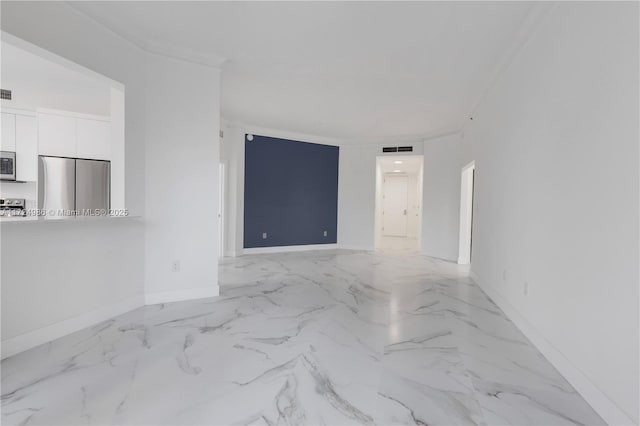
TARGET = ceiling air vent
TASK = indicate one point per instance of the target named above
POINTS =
(5, 94)
(397, 149)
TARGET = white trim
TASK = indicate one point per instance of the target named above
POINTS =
(155, 46)
(466, 213)
(17, 111)
(73, 114)
(605, 407)
(284, 134)
(180, 295)
(31, 339)
(527, 28)
(186, 54)
(471, 164)
(443, 259)
(286, 249)
(222, 202)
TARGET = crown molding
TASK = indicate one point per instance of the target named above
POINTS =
(185, 54)
(153, 45)
(284, 134)
(528, 27)
(346, 142)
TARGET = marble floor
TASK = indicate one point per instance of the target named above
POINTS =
(405, 244)
(316, 338)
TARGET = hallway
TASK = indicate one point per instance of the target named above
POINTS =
(327, 337)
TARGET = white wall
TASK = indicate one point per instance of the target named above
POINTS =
(420, 203)
(441, 197)
(157, 129)
(232, 154)
(414, 199)
(118, 147)
(40, 83)
(378, 210)
(555, 145)
(183, 124)
(357, 197)
(57, 275)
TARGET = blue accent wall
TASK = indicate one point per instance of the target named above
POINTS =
(290, 192)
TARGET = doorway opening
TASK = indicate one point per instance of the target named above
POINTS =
(398, 212)
(466, 213)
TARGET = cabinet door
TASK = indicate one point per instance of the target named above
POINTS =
(26, 148)
(8, 142)
(56, 135)
(94, 139)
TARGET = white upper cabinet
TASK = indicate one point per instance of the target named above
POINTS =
(8, 142)
(26, 148)
(74, 135)
(94, 139)
(56, 135)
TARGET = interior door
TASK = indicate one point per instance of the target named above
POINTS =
(394, 210)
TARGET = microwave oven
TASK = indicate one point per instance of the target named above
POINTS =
(7, 165)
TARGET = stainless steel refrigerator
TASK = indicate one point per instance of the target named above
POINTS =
(73, 185)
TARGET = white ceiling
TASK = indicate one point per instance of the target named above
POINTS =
(353, 70)
(36, 82)
(410, 164)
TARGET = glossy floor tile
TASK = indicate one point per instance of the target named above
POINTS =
(317, 338)
(408, 245)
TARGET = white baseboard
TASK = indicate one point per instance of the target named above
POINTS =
(600, 402)
(286, 249)
(14, 345)
(180, 295)
(439, 258)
